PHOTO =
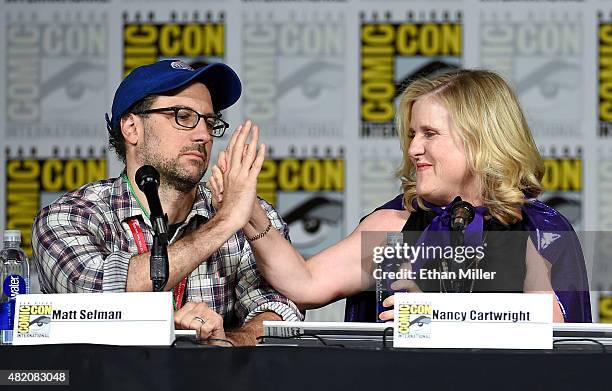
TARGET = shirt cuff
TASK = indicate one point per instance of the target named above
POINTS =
(289, 313)
(115, 271)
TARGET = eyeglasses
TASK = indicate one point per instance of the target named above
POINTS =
(188, 118)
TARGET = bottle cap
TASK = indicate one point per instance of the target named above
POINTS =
(12, 236)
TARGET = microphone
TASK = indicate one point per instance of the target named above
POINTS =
(147, 180)
(462, 214)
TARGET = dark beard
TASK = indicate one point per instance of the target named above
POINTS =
(175, 179)
(172, 175)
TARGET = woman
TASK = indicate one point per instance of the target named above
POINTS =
(462, 134)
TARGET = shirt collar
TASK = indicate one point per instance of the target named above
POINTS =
(126, 205)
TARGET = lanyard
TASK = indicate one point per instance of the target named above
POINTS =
(141, 244)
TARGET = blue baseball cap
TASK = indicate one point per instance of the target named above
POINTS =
(167, 75)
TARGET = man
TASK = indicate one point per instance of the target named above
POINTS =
(97, 238)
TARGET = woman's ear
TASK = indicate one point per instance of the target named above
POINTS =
(129, 128)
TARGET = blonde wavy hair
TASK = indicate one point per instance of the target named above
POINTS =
(499, 147)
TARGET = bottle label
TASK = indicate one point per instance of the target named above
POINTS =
(14, 285)
(7, 317)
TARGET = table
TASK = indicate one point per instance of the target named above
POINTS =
(191, 367)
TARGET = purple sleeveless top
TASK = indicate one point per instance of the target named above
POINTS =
(553, 237)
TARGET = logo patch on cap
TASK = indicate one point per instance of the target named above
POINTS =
(180, 65)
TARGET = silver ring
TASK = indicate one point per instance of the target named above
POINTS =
(199, 319)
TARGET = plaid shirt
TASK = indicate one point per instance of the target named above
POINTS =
(82, 243)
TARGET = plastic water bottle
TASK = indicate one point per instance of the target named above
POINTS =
(383, 286)
(15, 279)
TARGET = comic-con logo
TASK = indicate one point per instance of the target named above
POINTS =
(196, 38)
(34, 181)
(605, 76)
(414, 320)
(542, 56)
(605, 308)
(563, 182)
(34, 320)
(56, 74)
(293, 74)
(308, 192)
(395, 53)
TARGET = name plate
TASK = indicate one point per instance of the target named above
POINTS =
(134, 318)
(473, 320)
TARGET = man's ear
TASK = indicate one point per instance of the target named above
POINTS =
(129, 128)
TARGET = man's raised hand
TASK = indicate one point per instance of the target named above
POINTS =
(243, 163)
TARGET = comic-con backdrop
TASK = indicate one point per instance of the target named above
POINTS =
(322, 79)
